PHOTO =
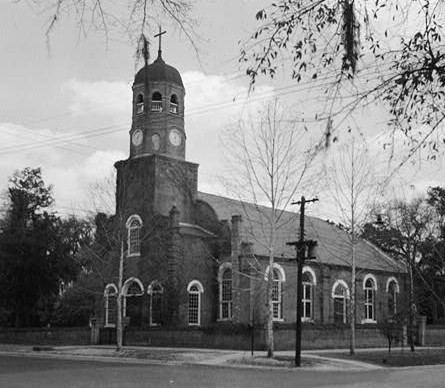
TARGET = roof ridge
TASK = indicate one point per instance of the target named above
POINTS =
(333, 248)
(264, 206)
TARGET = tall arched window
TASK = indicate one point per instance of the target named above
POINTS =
(340, 294)
(308, 293)
(370, 287)
(278, 278)
(194, 289)
(173, 104)
(277, 295)
(110, 296)
(132, 291)
(156, 102)
(155, 290)
(225, 291)
(134, 225)
(392, 289)
(140, 103)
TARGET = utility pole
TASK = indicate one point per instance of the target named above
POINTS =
(301, 249)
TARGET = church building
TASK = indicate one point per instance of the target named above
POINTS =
(194, 263)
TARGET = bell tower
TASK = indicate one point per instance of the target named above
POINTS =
(158, 110)
(156, 175)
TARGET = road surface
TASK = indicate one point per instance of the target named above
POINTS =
(23, 371)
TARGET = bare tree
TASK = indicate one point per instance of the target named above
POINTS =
(101, 195)
(352, 187)
(138, 19)
(268, 165)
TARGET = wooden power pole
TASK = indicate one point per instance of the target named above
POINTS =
(301, 245)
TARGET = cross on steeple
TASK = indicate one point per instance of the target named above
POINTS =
(159, 34)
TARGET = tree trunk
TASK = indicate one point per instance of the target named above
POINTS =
(119, 323)
(352, 343)
(353, 270)
(411, 308)
(269, 323)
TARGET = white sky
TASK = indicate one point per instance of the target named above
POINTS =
(68, 110)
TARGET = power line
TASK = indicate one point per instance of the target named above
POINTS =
(290, 89)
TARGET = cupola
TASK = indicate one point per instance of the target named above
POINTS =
(158, 110)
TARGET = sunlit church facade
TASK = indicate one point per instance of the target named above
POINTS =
(193, 262)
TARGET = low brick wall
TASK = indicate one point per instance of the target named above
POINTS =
(46, 336)
(227, 337)
(328, 336)
(218, 336)
(212, 337)
(435, 335)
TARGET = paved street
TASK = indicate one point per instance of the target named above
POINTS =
(23, 371)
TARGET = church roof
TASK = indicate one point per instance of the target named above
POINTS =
(333, 243)
(158, 71)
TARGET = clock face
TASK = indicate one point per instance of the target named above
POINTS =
(175, 137)
(156, 142)
(137, 137)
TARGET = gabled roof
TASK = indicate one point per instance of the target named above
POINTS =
(333, 247)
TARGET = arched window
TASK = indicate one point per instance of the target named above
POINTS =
(277, 295)
(156, 102)
(392, 289)
(225, 291)
(194, 290)
(308, 293)
(110, 296)
(278, 276)
(132, 307)
(134, 225)
(340, 294)
(140, 103)
(370, 287)
(174, 104)
(155, 290)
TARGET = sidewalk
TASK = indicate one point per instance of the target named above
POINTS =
(186, 356)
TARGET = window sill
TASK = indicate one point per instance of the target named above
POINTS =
(278, 319)
(110, 325)
(364, 321)
(307, 319)
(134, 254)
(224, 320)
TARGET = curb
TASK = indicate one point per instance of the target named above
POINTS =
(110, 359)
(222, 361)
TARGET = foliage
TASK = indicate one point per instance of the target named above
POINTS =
(431, 274)
(405, 227)
(36, 251)
(78, 303)
(340, 45)
(415, 237)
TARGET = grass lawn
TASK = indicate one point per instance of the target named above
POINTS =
(277, 361)
(397, 357)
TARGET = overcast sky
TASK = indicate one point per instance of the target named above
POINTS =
(68, 109)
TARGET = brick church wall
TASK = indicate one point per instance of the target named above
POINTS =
(323, 303)
(198, 264)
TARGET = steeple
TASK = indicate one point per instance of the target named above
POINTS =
(158, 110)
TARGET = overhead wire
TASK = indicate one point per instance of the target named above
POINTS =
(282, 91)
